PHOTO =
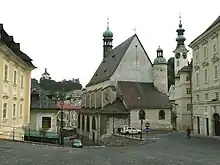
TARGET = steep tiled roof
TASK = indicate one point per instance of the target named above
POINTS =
(67, 106)
(110, 63)
(211, 26)
(43, 103)
(15, 47)
(137, 95)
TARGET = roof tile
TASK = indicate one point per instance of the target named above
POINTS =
(137, 95)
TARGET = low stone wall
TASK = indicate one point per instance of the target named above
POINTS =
(120, 140)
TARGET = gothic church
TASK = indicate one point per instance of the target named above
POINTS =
(125, 82)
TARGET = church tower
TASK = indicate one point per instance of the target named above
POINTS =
(180, 51)
(160, 72)
(107, 40)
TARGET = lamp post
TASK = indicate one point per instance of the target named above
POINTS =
(61, 123)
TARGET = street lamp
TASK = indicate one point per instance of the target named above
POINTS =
(61, 123)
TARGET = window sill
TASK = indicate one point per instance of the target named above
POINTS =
(206, 82)
(22, 87)
(14, 85)
(216, 79)
(4, 119)
(6, 81)
(13, 118)
(21, 116)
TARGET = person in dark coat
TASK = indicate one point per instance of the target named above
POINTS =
(188, 131)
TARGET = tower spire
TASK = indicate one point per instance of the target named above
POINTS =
(180, 24)
(108, 23)
(107, 40)
(180, 32)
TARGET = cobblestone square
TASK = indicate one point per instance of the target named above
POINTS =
(172, 149)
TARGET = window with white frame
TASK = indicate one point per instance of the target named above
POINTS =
(214, 48)
(6, 72)
(177, 63)
(197, 97)
(217, 95)
(197, 77)
(206, 96)
(14, 110)
(215, 72)
(21, 110)
(22, 81)
(4, 112)
(197, 56)
(206, 75)
(188, 91)
(206, 108)
(188, 106)
(15, 77)
(205, 51)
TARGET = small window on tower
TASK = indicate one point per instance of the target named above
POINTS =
(105, 70)
(103, 61)
(113, 56)
(177, 63)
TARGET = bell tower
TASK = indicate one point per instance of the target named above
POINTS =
(107, 40)
(180, 51)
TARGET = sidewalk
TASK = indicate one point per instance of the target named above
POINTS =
(206, 137)
(197, 136)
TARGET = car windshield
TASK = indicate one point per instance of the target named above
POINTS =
(77, 141)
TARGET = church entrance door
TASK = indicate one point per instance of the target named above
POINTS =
(216, 118)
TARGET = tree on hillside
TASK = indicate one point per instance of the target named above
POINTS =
(170, 72)
(64, 85)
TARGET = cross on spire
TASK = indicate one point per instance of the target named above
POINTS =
(134, 30)
(180, 17)
(108, 22)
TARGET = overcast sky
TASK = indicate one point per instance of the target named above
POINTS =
(65, 36)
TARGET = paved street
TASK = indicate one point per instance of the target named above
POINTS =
(173, 149)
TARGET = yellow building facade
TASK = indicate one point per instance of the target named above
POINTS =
(15, 81)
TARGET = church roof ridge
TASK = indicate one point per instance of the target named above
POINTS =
(110, 63)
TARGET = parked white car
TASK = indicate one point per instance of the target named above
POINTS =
(130, 130)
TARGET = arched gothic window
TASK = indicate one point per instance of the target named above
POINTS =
(161, 115)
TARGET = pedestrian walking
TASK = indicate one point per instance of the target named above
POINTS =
(188, 132)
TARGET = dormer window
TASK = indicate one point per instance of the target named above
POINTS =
(105, 70)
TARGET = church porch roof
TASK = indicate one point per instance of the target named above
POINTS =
(116, 108)
(140, 95)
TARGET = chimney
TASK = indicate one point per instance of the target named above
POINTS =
(10, 38)
(16, 46)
